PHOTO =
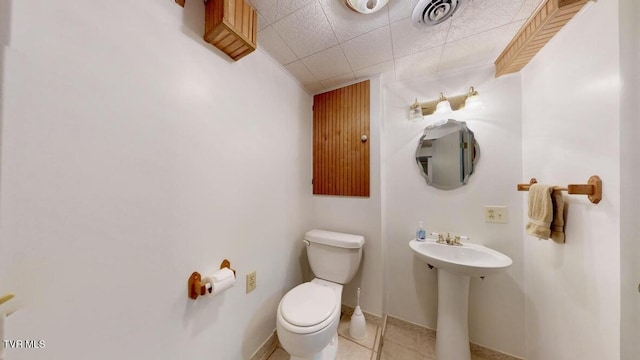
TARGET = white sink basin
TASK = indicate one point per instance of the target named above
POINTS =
(456, 265)
(468, 259)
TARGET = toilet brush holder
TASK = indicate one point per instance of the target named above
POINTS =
(358, 325)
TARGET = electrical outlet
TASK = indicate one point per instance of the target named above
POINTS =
(495, 214)
(251, 282)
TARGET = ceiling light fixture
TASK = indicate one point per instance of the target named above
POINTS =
(366, 6)
(443, 107)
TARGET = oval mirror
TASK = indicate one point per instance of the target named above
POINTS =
(447, 154)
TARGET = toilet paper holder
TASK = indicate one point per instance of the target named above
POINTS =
(6, 298)
(197, 288)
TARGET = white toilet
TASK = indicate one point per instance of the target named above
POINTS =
(309, 314)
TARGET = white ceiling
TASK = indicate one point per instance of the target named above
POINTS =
(323, 44)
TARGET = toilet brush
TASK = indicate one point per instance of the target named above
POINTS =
(358, 326)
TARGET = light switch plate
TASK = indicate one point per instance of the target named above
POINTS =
(495, 214)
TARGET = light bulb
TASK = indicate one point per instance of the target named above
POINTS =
(415, 111)
(366, 6)
(473, 101)
(443, 107)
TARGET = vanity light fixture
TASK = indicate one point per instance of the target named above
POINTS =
(366, 6)
(443, 110)
(443, 107)
(473, 100)
(415, 111)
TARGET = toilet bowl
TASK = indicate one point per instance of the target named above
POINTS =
(308, 315)
(308, 318)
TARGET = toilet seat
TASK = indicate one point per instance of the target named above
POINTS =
(308, 304)
(308, 308)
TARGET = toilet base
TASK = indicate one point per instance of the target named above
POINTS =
(330, 351)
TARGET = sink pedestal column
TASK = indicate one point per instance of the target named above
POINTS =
(452, 340)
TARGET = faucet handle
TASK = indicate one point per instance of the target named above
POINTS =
(440, 239)
(456, 240)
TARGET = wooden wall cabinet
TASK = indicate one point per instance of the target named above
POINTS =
(231, 26)
(340, 149)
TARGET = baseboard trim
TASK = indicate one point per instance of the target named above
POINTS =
(267, 347)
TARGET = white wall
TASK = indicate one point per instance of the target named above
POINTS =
(571, 130)
(496, 314)
(362, 216)
(133, 154)
(629, 13)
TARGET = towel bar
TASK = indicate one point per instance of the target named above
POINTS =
(593, 188)
(5, 298)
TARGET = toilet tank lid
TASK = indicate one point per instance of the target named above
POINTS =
(337, 239)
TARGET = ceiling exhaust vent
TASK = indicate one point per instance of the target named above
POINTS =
(433, 12)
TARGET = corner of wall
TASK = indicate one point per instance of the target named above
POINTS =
(361, 216)
(5, 35)
(5, 22)
(570, 86)
(629, 13)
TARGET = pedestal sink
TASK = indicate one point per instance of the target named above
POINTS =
(456, 264)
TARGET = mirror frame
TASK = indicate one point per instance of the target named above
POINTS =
(470, 157)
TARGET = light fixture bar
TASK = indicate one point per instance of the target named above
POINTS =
(457, 102)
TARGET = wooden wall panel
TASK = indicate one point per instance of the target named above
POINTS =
(340, 158)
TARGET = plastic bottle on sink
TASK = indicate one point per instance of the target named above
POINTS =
(421, 234)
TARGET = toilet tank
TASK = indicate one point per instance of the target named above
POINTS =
(334, 256)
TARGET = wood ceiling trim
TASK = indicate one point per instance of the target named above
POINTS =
(543, 24)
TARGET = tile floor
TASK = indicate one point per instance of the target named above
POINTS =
(405, 341)
(348, 348)
(402, 341)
